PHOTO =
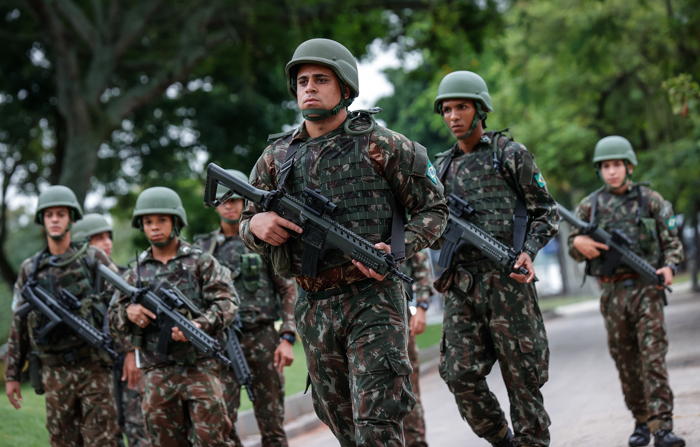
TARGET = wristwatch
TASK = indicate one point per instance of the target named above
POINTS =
(423, 305)
(291, 338)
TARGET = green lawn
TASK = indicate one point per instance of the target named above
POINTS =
(25, 427)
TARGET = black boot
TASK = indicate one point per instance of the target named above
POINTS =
(666, 438)
(505, 442)
(641, 435)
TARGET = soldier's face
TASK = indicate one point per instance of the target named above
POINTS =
(614, 172)
(157, 227)
(103, 241)
(56, 220)
(231, 209)
(317, 87)
(458, 114)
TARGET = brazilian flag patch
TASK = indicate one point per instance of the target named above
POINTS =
(432, 175)
(540, 180)
(671, 222)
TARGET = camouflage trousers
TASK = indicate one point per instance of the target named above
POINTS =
(259, 344)
(356, 352)
(134, 425)
(185, 406)
(80, 406)
(414, 423)
(490, 317)
(634, 319)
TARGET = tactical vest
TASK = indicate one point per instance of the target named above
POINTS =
(343, 173)
(251, 275)
(637, 224)
(478, 178)
(73, 272)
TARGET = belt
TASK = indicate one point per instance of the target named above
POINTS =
(67, 357)
(484, 266)
(619, 278)
(354, 288)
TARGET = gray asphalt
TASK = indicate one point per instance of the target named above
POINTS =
(583, 395)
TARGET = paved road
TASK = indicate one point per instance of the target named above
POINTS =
(583, 395)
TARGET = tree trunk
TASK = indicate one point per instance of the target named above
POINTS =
(80, 161)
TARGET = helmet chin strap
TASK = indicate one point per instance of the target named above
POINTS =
(628, 176)
(230, 221)
(173, 233)
(322, 114)
(479, 115)
(60, 236)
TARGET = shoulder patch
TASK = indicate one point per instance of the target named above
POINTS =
(540, 180)
(671, 222)
(432, 175)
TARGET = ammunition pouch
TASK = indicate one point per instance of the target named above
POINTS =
(648, 238)
(280, 258)
(35, 373)
(69, 356)
(251, 265)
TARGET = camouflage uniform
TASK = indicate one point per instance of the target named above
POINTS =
(488, 315)
(183, 398)
(354, 329)
(77, 379)
(418, 268)
(265, 297)
(631, 306)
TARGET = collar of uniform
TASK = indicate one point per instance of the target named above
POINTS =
(303, 134)
(483, 144)
(183, 249)
(220, 237)
(631, 188)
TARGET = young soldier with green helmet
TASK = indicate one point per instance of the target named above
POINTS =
(183, 399)
(265, 297)
(633, 307)
(95, 229)
(76, 378)
(491, 313)
(351, 321)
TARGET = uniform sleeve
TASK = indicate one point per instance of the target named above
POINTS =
(18, 343)
(662, 212)
(423, 277)
(287, 289)
(541, 207)
(218, 295)
(119, 324)
(262, 177)
(582, 212)
(414, 183)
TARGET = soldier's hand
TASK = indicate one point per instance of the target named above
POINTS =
(130, 372)
(668, 276)
(284, 355)
(370, 273)
(418, 322)
(271, 228)
(139, 315)
(12, 389)
(588, 247)
(524, 260)
(179, 336)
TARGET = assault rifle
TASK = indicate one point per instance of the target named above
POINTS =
(461, 232)
(619, 251)
(239, 365)
(165, 304)
(315, 215)
(59, 310)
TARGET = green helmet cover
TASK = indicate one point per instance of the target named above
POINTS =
(90, 225)
(220, 190)
(330, 54)
(58, 195)
(463, 84)
(614, 148)
(159, 200)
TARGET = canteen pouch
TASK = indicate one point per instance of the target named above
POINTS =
(35, 373)
(250, 265)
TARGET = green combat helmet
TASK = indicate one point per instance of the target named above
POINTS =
(160, 200)
(90, 225)
(465, 84)
(221, 190)
(614, 148)
(331, 54)
(58, 195)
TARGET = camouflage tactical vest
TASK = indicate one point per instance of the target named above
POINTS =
(477, 177)
(339, 165)
(251, 275)
(628, 213)
(72, 271)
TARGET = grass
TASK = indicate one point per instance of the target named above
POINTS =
(25, 427)
(430, 337)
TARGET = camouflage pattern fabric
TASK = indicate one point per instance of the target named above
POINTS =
(355, 346)
(633, 308)
(80, 409)
(491, 317)
(185, 406)
(404, 166)
(259, 346)
(134, 423)
(488, 315)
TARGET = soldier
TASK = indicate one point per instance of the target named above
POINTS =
(633, 307)
(265, 297)
(491, 313)
(80, 406)
(418, 268)
(352, 322)
(182, 398)
(95, 228)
